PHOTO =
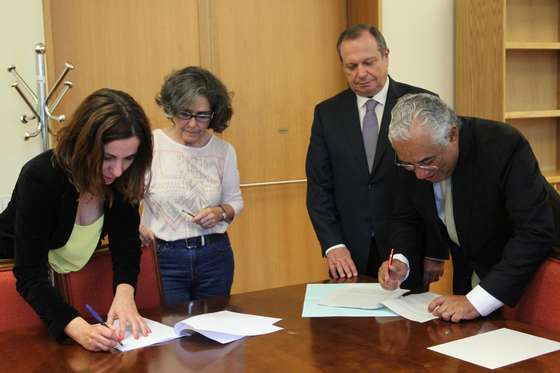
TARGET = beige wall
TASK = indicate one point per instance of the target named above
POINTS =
(21, 27)
(421, 39)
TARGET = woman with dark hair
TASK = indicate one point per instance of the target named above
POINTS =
(194, 190)
(67, 199)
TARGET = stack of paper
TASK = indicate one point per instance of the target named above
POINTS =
(227, 326)
(316, 294)
(223, 327)
(365, 299)
(364, 296)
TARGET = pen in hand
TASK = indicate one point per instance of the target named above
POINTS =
(188, 213)
(391, 257)
(96, 316)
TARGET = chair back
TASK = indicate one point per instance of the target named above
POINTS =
(149, 293)
(15, 312)
(540, 304)
(93, 284)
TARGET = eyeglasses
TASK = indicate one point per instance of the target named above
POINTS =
(413, 166)
(201, 117)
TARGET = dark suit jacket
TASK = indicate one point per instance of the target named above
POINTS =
(40, 217)
(346, 203)
(506, 214)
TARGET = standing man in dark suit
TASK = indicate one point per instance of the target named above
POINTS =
(476, 187)
(350, 170)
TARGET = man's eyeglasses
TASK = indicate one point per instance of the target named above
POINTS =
(201, 117)
(413, 166)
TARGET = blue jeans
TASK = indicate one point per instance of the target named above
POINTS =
(195, 273)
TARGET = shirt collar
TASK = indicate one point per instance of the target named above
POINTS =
(380, 97)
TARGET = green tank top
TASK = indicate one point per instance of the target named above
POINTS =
(75, 254)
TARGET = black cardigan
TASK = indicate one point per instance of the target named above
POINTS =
(40, 217)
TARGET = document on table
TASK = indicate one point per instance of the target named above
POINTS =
(160, 333)
(314, 293)
(413, 307)
(497, 348)
(364, 296)
(222, 326)
(227, 326)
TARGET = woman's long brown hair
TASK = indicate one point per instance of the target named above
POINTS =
(104, 116)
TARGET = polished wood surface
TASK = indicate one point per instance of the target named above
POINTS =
(305, 345)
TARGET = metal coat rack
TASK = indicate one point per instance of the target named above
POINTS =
(40, 102)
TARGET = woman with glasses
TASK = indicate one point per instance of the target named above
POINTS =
(194, 188)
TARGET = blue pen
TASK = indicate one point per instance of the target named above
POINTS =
(98, 318)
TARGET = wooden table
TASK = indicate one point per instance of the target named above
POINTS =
(305, 345)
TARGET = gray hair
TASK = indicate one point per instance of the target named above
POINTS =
(355, 31)
(425, 110)
(182, 87)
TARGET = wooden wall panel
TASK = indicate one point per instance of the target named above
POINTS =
(279, 63)
(273, 240)
(476, 94)
(278, 59)
(445, 283)
(364, 11)
(127, 44)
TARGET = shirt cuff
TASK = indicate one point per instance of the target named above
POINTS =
(484, 302)
(334, 247)
(403, 259)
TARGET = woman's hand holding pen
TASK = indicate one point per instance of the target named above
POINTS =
(208, 217)
(94, 337)
(391, 273)
(124, 309)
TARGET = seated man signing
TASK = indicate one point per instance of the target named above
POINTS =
(475, 187)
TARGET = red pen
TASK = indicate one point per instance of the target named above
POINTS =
(391, 257)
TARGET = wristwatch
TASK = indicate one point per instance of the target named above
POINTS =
(224, 214)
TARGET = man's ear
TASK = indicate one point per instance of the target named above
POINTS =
(453, 133)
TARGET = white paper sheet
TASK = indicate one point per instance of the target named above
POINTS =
(363, 296)
(413, 307)
(497, 348)
(160, 333)
(227, 326)
(222, 326)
